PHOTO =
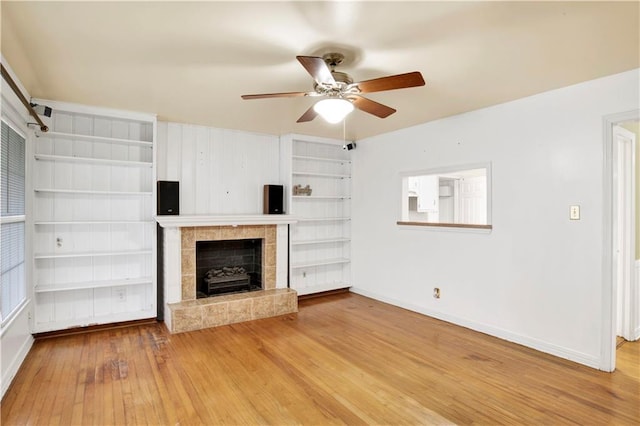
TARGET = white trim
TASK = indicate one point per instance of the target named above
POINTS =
(608, 320)
(182, 221)
(15, 364)
(530, 342)
(8, 321)
(91, 110)
(17, 358)
(103, 319)
(319, 288)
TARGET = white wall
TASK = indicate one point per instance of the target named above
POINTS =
(220, 171)
(537, 277)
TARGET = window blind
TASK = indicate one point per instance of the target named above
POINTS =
(12, 244)
(12, 281)
(13, 172)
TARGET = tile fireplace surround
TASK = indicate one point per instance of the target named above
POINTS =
(183, 311)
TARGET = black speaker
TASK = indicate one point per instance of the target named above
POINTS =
(273, 199)
(168, 197)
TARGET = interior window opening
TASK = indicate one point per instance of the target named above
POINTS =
(457, 197)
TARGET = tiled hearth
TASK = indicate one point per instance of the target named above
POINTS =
(191, 313)
(231, 308)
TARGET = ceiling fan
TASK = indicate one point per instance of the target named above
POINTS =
(340, 92)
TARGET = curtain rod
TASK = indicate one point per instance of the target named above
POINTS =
(18, 92)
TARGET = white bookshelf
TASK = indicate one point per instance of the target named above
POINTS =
(93, 227)
(320, 240)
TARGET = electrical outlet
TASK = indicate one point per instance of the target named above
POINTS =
(436, 292)
(574, 213)
(121, 295)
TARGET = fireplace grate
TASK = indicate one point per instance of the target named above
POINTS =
(239, 282)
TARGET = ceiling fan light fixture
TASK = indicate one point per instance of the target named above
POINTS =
(333, 110)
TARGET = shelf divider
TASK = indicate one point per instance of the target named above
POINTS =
(90, 138)
(90, 254)
(40, 288)
(320, 241)
(90, 191)
(322, 262)
(86, 160)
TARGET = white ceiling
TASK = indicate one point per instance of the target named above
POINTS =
(190, 61)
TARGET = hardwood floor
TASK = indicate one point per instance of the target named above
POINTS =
(344, 359)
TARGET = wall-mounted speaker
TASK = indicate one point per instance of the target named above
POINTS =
(273, 200)
(168, 196)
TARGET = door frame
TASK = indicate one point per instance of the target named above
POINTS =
(610, 226)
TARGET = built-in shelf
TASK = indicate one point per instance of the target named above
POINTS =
(328, 160)
(324, 175)
(320, 241)
(90, 191)
(90, 254)
(91, 284)
(94, 246)
(85, 160)
(323, 219)
(322, 197)
(93, 222)
(321, 262)
(89, 138)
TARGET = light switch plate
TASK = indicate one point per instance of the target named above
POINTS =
(574, 212)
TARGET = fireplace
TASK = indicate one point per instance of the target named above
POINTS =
(183, 236)
(228, 266)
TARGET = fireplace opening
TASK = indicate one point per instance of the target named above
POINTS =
(228, 266)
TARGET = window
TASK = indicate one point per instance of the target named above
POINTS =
(12, 219)
(455, 197)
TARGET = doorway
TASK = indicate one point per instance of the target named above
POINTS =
(621, 296)
(625, 137)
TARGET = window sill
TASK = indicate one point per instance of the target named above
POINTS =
(445, 225)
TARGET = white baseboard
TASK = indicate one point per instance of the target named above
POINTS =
(15, 364)
(320, 288)
(636, 333)
(542, 346)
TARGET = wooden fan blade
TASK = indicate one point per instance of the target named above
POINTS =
(399, 81)
(318, 69)
(372, 107)
(276, 95)
(309, 115)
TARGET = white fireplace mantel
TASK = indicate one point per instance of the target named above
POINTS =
(183, 221)
(174, 226)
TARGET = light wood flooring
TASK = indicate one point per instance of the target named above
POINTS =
(343, 359)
